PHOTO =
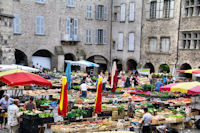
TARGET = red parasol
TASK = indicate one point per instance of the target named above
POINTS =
(18, 77)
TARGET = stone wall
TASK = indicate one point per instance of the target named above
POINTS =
(126, 28)
(160, 28)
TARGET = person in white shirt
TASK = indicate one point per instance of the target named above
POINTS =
(13, 117)
(84, 88)
(146, 121)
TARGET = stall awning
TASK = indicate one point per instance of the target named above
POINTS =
(82, 63)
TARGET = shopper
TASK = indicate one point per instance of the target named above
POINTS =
(159, 84)
(13, 117)
(4, 103)
(89, 80)
(146, 121)
(104, 82)
(84, 87)
(30, 105)
(131, 107)
(123, 80)
(128, 81)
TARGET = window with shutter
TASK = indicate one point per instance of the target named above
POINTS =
(123, 12)
(153, 9)
(88, 36)
(97, 12)
(105, 12)
(153, 44)
(104, 36)
(171, 14)
(89, 12)
(40, 1)
(96, 37)
(131, 11)
(120, 41)
(68, 28)
(38, 25)
(166, 8)
(76, 29)
(158, 9)
(16, 23)
(165, 42)
(131, 45)
(147, 7)
(42, 25)
(70, 3)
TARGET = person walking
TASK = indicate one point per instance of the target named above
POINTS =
(4, 103)
(84, 88)
(13, 117)
(146, 121)
(131, 108)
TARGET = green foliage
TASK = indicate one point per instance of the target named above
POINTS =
(120, 109)
(147, 87)
(165, 68)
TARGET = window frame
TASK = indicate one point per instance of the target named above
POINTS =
(161, 45)
(153, 12)
(16, 24)
(41, 25)
(40, 1)
(150, 45)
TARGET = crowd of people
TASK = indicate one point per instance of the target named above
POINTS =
(10, 105)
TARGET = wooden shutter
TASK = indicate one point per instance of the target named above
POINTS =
(123, 12)
(75, 29)
(161, 8)
(68, 29)
(171, 13)
(104, 36)
(97, 12)
(38, 25)
(16, 22)
(96, 37)
(131, 42)
(42, 25)
(90, 36)
(87, 36)
(105, 12)
(147, 10)
(120, 41)
(72, 3)
(68, 2)
(131, 11)
(153, 45)
(158, 9)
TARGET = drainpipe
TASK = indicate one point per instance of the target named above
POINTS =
(111, 14)
(141, 33)
(179, 22)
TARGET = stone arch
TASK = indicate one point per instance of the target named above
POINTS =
(185, 66)
(42, 58)
(70, 56)
(150, 66)
(164, 68)
(21, 58)
(131, 64)
(101, 60)
(119, 64)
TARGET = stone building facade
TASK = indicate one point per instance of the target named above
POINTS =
(55, 19)
(135, 33)
(160, 33)
(126, 33)
(189, 35)
(6, 42)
